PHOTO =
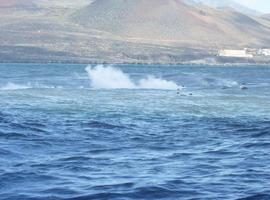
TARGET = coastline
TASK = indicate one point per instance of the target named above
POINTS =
(60, 62)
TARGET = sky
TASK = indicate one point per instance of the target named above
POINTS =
(260, 5)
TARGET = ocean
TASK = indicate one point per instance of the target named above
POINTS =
(128, 132)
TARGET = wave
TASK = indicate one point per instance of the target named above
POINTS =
(14, 86)
(150, 193)
(220, 82)
(102, 125)
(109, 77)
(257, 197)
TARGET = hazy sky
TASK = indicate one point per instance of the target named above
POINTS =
(261, 5)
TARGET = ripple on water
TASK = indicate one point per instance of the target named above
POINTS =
(256, 197)
(70, 143)
(101, 125)
(149, 192)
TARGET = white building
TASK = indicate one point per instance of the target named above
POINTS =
(234, 53)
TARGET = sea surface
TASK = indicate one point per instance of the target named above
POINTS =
(129, 132)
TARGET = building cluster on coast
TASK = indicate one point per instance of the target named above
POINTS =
(244, 53)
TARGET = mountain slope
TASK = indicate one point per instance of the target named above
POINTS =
(124, 31)
(266, 16)
(63, 3)
(17, 4)
(172, 21)
(225, 4)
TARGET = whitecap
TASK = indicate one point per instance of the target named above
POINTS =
(109, 77)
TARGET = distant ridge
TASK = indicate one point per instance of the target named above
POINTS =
(266, 16)
(127, 31)
(227, 4)
(17, 4)
(173, 21)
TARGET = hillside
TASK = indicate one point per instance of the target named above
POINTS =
(173, 22)
(124, 31)
(266, 16)
(63, 3)
(225, 4)
(17, 4)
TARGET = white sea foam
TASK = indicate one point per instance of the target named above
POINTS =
(228, 83)
(109, 77)
(152, 82)
(13, 86)
(220, 82)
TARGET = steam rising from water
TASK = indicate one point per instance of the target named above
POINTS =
(112, 78)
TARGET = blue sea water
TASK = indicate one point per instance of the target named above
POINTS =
(129, 132)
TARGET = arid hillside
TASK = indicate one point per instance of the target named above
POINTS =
(266, 16)
(18, 4)
(124, 31)
(225, 4)
(173, 21)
